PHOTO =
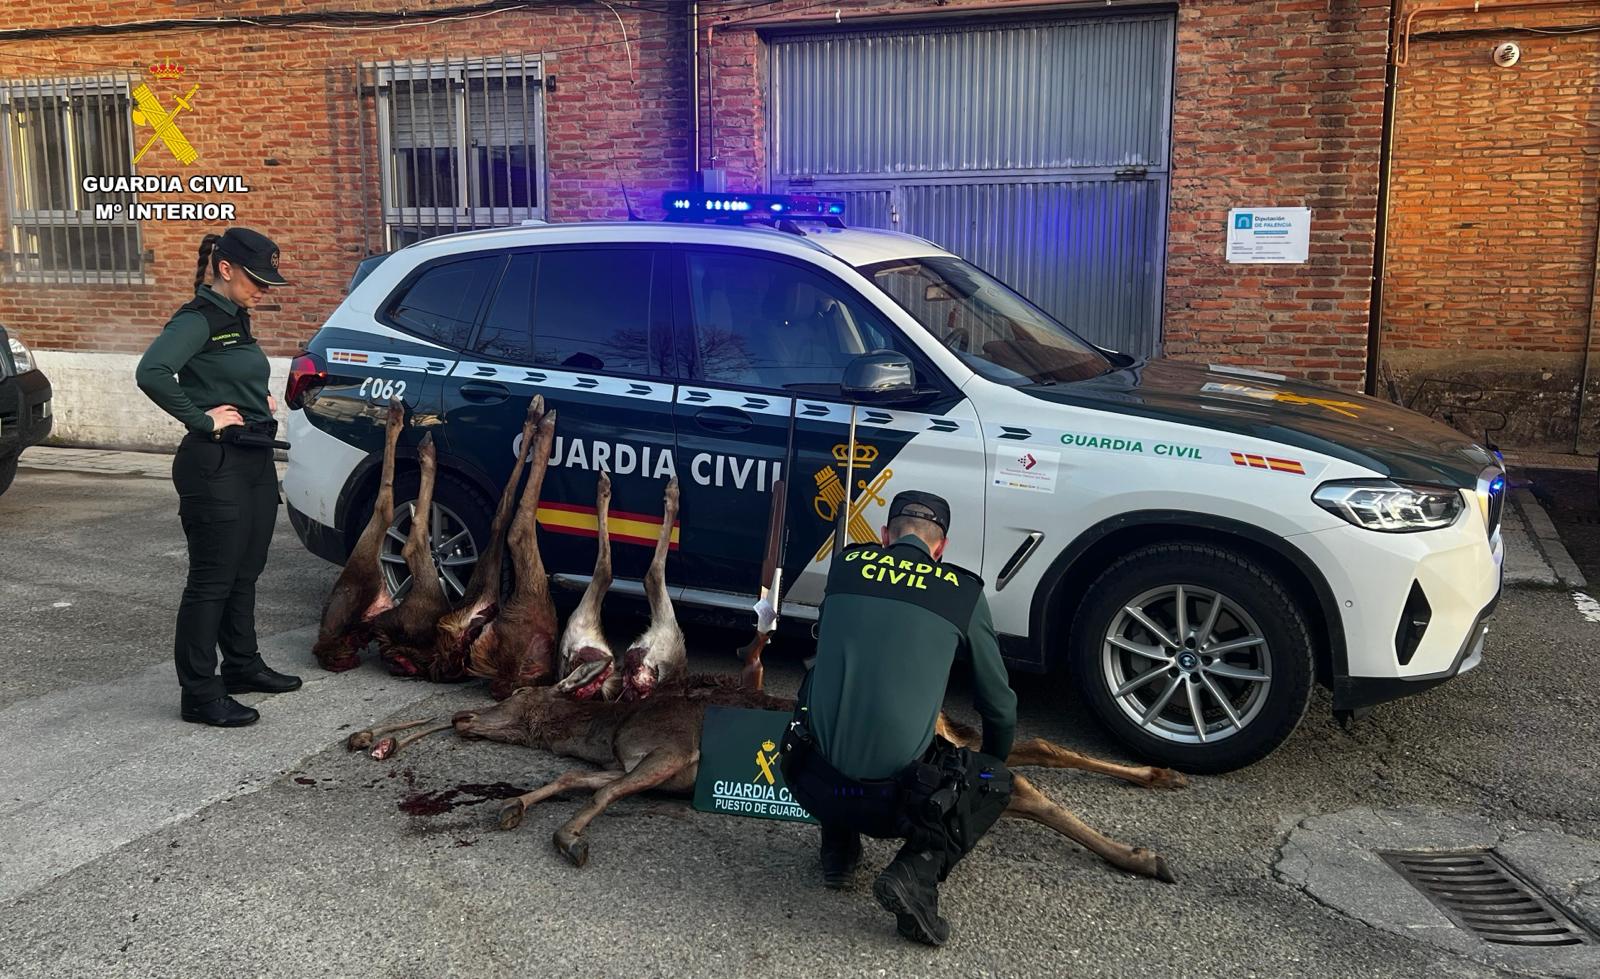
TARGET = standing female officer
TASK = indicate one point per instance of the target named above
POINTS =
(227, 492)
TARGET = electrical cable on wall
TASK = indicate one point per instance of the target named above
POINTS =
(199, 25)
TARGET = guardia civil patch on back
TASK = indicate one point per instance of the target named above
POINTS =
(739, 773)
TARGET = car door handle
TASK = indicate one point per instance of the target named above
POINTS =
(485, 392)
(721, 418)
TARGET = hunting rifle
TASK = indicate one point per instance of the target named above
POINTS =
(767, 605)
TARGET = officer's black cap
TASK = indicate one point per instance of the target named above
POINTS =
(915, 503)
(254, 252)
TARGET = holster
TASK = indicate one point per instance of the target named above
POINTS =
(252, 435)
(969, 790)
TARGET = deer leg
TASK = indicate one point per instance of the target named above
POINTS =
(657, 767)
(655, 579)
(418, 552)
(1045, 754)
(1027, 802)
(362, 740)
(388, 747)
(578, 778)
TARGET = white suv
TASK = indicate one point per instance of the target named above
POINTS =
(1197, 545)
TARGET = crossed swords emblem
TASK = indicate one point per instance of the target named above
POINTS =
(152, 113)
(765, 756)
(860, 532)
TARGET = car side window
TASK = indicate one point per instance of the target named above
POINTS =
(442, 303)
(592, 310)
(763, 322)
(507, 332)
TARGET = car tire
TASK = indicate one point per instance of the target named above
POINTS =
(8, 470)
(461, 506)
(1252, 692)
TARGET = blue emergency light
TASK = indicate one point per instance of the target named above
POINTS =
(729, 208)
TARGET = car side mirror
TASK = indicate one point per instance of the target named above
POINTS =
(880, 377)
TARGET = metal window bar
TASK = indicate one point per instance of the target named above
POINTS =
(55, 132)
(451, 143)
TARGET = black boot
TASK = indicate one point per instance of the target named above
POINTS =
(264, 680)
(222, 712)
(908, 889)
(841, 855)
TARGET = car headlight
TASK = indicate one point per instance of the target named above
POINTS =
(20, 355)
(1391, 507)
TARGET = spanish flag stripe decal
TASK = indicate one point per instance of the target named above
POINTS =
(1267, 462)
(589, 511)
(564, 519)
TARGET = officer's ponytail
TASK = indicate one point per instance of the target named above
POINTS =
(208, 247)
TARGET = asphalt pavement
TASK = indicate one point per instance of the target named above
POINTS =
(134, 845)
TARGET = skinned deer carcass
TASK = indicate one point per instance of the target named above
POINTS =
(518, 648)
(460, 627)
(587, 666)
(655, 744)
(359, 595)
(406, 632)
(660, 656)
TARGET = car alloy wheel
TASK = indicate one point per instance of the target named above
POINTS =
(455, 553)
(1186, 664)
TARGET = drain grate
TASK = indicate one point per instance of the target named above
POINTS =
(1483, 894)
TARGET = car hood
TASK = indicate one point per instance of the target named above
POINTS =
(1380, 436)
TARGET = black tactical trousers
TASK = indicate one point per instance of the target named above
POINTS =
(228, 504)
(941, 805)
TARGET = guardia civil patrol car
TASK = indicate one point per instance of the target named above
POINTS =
(1197, 545)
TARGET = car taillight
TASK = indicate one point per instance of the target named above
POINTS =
(306, 374)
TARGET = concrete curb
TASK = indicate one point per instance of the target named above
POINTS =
(1548, 541)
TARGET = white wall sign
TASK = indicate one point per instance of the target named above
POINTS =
(1269, 235)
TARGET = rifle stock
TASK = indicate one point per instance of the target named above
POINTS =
(771, 565)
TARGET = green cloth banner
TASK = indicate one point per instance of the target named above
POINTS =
(739, 773)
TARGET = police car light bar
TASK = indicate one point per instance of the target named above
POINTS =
(738, 208)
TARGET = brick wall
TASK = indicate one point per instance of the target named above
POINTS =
(1491, 252)
(279, 108)
(1277, 104)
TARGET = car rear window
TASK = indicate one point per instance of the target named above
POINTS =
(443, 302)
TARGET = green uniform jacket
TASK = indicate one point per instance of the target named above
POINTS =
(208, 346)
(894, 621)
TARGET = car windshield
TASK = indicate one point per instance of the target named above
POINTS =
(996, 332)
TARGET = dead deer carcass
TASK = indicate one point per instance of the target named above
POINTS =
(359, 595)
(655, 744)
(517, 648)
(587, 667)
(407, 631)
(458, 629)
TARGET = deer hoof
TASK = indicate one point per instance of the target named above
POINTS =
(359, 741)
(384, 748)
(574, 848)
(1164, 873)
(1167, 778)
(511, 814)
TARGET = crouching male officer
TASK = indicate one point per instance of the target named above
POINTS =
(861, 754)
